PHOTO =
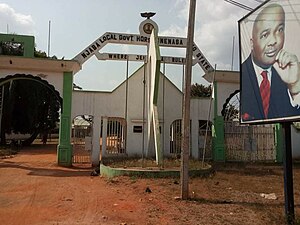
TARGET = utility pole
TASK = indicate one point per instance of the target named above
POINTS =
(184, 172)
(49, 35)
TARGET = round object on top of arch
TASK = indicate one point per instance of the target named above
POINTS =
(147, 26)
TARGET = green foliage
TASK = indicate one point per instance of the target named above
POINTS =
(29, 107)
(11, 48)
(39, 54)
(231, 112)
(296, 125)
(200, 90)
(17, 49)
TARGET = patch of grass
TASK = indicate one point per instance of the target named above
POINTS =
(112, 180)
(133, 179)
(151, 163)
(6, 151)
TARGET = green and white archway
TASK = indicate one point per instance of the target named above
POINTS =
(152, 61)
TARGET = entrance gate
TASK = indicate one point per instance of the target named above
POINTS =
(148, 36)
(246, 142)
(205, 140)
(175, 137)
(116, 133)
(82, 132)
(249, 142)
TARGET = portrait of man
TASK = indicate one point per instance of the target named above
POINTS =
(270, 74)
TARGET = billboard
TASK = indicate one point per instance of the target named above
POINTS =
(270, 68)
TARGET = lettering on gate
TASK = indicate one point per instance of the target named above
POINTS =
(134, 39)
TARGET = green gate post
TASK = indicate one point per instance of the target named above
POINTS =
(64, 149)
(218, 131)
(218, 139)
(279, 143)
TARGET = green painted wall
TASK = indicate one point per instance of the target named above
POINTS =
(27, 41)
(64, 149)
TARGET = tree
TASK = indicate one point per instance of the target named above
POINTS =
(17, 49)
(199, 90)
(231, 112)
(39, 54)
(11, 48)
(6, 112)
(29, 108)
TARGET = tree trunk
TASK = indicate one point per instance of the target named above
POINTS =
(29, 141)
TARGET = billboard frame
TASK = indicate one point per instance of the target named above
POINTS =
(295, 116)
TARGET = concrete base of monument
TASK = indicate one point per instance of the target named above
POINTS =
(152, 172)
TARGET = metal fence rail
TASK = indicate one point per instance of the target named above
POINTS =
(116, 136)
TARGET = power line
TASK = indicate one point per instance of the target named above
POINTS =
(239, 5)
(260, 1)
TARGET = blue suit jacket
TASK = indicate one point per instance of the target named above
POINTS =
(251, 102)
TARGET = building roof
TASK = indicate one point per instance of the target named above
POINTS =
(224, 76)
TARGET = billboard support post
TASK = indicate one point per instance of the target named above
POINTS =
(279, 142)
(288, 174)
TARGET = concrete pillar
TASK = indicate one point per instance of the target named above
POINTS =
(104, 135)
(218, 131)
(64, 149)
(218, 140)
(96, 141)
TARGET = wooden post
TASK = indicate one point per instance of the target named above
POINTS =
(184, 172)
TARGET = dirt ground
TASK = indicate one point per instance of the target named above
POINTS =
(35, 191)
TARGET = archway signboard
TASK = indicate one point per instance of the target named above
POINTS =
(136, 57)
(148, 37)
(135, 39)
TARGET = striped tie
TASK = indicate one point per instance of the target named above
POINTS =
(265, 92)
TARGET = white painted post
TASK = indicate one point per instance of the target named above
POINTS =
(96, 141)
(104, 135)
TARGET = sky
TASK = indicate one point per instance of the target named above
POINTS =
(75, 24)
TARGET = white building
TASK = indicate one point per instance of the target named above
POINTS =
(111, 106)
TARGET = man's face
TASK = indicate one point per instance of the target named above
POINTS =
(268, 36)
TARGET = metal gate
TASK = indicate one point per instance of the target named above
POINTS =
(82, 131)
(175, 137)
(246, 142)
(116, 136)
(205, 139)
(249, 142)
